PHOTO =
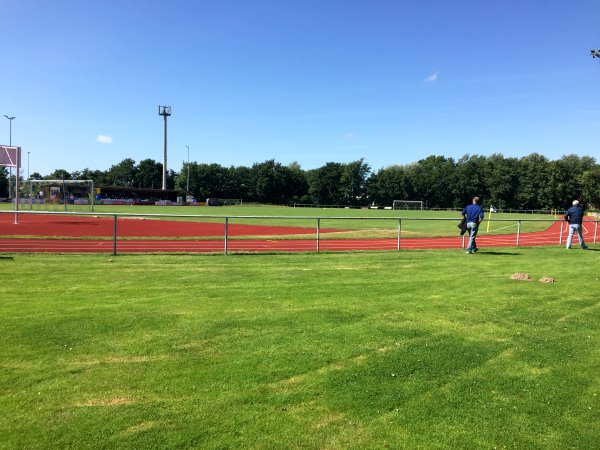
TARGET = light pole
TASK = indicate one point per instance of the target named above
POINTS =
(164, 111)
(187, 186)
(28, 165)
(10, 119)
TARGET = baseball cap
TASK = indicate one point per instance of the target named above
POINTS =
(576, 202)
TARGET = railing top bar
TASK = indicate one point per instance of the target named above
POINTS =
(210, 216)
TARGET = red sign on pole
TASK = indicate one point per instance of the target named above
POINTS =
(10, 156)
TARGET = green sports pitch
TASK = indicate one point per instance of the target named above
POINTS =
(352, 223)
(420, 349)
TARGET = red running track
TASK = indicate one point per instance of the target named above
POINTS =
(63, 226)
(95, 226)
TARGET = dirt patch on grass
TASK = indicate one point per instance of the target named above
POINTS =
(121, 360)
(521, 277)
(526, 277)
(547, 280)
(140, 427)
(327, 420)
(115, 401)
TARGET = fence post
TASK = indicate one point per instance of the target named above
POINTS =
(560, 234)
(595, 231)
(399, 228)
(518, 232)
(226, 234)
(115, 237)
(318, 233)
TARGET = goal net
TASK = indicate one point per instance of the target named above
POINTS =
(57, 195)
(231, 201)
(408, 204)
(213, 201)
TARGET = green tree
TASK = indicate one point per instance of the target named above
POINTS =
(432, 179)
(501, 179)
(273, 182)
(325, 184)
(353, 183)
(532, 193)
(387, 185)
(206, 180)
(3, 182)
(99, 177)
(149, 174)
(240, 183)
(300, 183)
(235, 183)
(182, 177)
(469, 180)
(564, 178)
(171, 177)
(590, 186)
(58, 174)
(123, 174)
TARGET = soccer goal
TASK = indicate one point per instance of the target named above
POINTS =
(57, 195)
(231, 201)
(408, 204)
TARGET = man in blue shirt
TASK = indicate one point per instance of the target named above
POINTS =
(474, 215)
(574, 216)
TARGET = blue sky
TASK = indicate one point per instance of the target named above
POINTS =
(306, 81)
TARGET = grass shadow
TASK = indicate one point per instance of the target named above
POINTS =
(494, 253)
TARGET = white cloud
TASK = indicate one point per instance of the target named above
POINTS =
(103, 139)
(431, 78)
(350, 135)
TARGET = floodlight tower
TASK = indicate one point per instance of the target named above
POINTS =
(164, 111)
(596, 53)
(187, 186)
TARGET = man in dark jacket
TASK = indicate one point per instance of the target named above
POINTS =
(574, 216)
(474, 215)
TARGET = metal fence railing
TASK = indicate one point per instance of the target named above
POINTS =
(427, 208)
(128, 232)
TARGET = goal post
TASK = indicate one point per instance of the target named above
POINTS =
(57, 195)
(408, 204)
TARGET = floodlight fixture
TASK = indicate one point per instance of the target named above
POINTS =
(164, 110)
(10, 119)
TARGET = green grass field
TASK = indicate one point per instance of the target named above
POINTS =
(419, 349)
(362, 223)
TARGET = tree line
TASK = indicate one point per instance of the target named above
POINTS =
(532, 182)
